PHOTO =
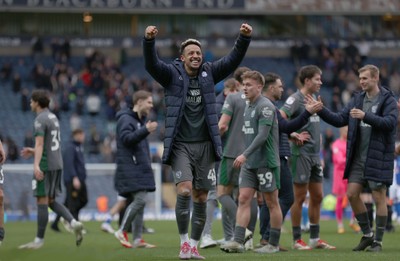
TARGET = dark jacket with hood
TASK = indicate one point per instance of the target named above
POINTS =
(380, 156)
(175, 80)
(134, 172)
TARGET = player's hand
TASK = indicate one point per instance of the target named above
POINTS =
(357, 114)
(300, 138)
(313, 106)
(246, 29)
(26, 152)
(151, 126)
(76, 183)
(239, 161)
(39, 175)
(151, 32)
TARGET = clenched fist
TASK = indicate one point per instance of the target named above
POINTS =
(151, 32)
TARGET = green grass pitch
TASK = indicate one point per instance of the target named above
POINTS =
(98, 245)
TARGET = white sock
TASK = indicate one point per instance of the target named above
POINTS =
(184, 238)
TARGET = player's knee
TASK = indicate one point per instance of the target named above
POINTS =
(1, 197)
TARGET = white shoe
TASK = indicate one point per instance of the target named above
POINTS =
(207, 241)
(77, 227)
(249, 244)
(267, 249)
(36, 244)
(185, 251)
(232, 247)
(247, 236)
(123, 238)
(106, 227)
(67, 226)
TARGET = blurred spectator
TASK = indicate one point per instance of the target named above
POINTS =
(93, 104)
(394, 82)
(11, 149)
(23, 205)
(37, 48)
(28, 139)
(364, 48)
(6, 71)
(16, 84)
(25, 100)
(351, 51)
(109, 148)
(94, 140)
(75, 121)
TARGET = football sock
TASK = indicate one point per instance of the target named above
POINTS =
(240, 233)
(182, 213)
(380, 227)
(274, 236)
(296, 233)
(314, 231)
(363, 222)
(198, 220)
(42, 219)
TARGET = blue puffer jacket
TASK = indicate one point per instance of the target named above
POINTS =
(175, 80)
(134, 172)
(380, 156)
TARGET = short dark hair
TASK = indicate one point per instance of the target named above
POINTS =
(237, 74)
(189, 42)
(140, 95)
(270, 78)
(307, 72)
(77, 131)
(41, 97)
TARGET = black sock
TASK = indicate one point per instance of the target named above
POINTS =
(296, 233)
(198, 220)
(363, 222)
(274, 236)
(380, 227)
(314, 231)
(42, 220)
(182, 213)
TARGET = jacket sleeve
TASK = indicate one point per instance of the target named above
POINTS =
(289, 126)
(388, 120)
(158, 69)
(69, 163)
(128, 133)
(223, 67)
(338, 119)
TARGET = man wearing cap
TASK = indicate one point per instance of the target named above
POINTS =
(192, 143)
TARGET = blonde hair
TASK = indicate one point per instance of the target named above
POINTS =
(373, 70)
(254, 75)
